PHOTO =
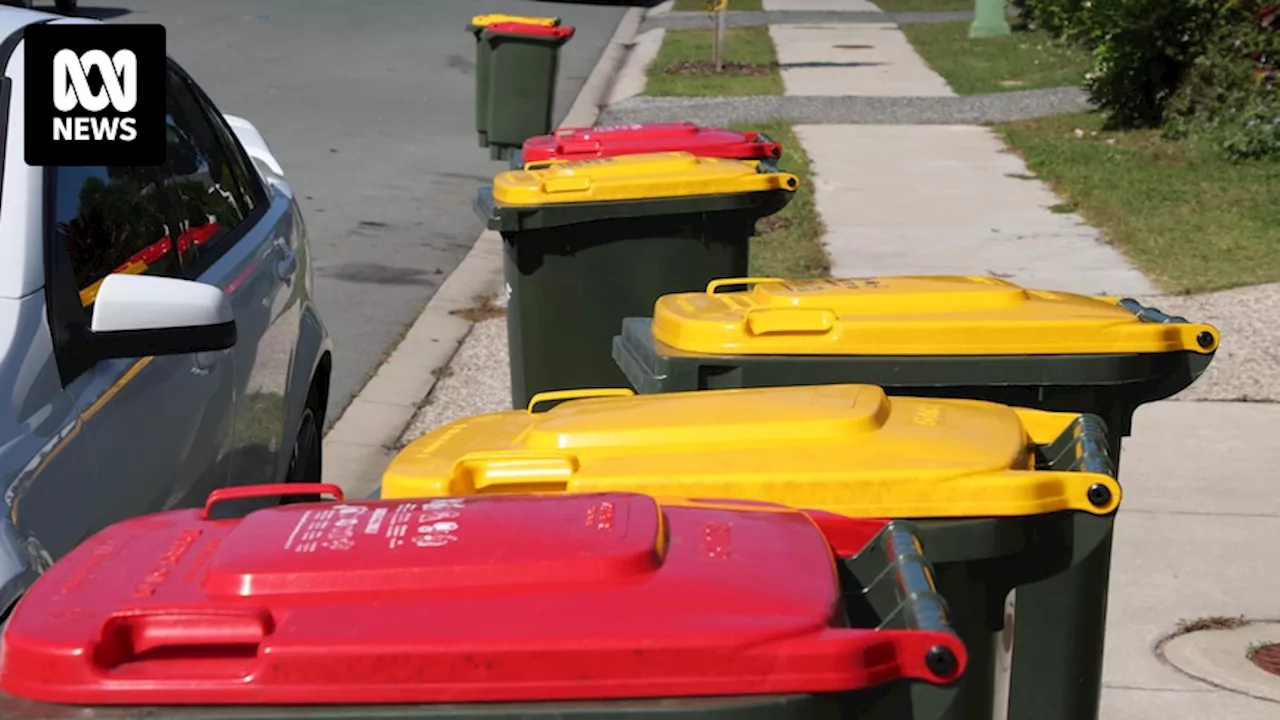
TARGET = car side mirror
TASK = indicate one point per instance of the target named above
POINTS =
(258, 150)
(141, 315)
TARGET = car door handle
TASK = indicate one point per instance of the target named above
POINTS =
(287, 266)
(206, 360)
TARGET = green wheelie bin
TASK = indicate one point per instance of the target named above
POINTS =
(524, 60)
(588, 243)
(482, 59)
(968, 337)
(1004, 496)
(490, 608)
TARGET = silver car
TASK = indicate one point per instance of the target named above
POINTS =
(158, 338)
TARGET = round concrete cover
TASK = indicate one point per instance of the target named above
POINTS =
(1221, 658)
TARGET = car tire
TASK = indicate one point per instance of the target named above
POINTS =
(65, 6)
(306, 456)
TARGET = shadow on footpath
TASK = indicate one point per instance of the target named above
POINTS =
(817, 64)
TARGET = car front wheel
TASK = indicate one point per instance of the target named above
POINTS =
(306, 455)
(63, 6)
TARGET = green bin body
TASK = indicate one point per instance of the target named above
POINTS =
(482, 84)
(1061, 616)
(978, 561)
(522, 69)
(574, 271)
(777, 707)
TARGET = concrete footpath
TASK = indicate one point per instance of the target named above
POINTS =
(927, 197)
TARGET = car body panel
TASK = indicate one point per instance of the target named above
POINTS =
(143, 434)
(267, 318)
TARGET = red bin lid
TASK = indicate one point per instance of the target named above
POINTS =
(592, 142)
(492, 598)
(557, 32)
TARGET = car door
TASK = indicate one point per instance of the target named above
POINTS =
(158, 424)
(239, 235)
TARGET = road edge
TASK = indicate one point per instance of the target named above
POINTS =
(359, 444)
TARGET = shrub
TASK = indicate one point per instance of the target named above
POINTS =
(1207, 68)
(1142, 49)
(1231, 92)
(1056, 17)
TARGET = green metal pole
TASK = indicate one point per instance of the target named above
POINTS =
(989, 19)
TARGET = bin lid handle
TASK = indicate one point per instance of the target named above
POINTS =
(579, 147)
(181, 626)
(566, 184)
(499, 468)
(771, 321)
(249, 492)
(579, 394)
(718, 283)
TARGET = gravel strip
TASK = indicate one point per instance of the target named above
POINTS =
(963, 110)
(1247, 364)
(687, 20)
(478, 381)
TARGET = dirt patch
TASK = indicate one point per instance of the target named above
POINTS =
(485, 309)
(773, 223)
(1216, 622)
(703, 68)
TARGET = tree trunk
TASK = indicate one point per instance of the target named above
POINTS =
(722, 8)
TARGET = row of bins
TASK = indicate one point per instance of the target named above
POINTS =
(1003, 497)
(819, 504)
(714, 332)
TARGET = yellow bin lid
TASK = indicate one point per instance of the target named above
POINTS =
(493, 19)
(910, 316)
(847, 449)
(634, 177)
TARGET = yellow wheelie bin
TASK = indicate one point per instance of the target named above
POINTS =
(938, 336)
(1002, 496)
(588, 243)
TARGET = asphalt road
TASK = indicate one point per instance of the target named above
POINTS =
(369, 106)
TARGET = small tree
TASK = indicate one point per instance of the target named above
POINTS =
(718, 10)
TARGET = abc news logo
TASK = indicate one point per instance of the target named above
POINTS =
(95, 95)
(71, 91)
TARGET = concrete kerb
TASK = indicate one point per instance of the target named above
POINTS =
(633, 73)
(662, 8)
(358, 446)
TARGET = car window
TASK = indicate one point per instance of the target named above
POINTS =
(111, 221)
(209, 191)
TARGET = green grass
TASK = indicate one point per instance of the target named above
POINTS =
(734, 5)
(789, 244)
(923, 5)
(1189, 218)
(1022, 61)
(742, 45)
